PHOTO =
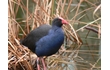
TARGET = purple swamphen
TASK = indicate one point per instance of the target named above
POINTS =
(45, 40)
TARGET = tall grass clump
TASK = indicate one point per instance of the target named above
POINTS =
(81, 48)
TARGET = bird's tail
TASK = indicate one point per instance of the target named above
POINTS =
(21, 41)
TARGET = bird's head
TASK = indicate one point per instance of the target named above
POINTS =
(59, 21)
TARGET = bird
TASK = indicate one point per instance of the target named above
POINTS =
(45, 40)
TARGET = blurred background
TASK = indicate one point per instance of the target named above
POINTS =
(81, 49)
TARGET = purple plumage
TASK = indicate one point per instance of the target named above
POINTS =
(46, 40)
(34, 36)
(50, 43)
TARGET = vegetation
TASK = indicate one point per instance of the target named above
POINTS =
(81, 48)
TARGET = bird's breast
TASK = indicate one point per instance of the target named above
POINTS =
(50, 43)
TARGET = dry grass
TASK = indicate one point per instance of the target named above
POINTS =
(26, 15)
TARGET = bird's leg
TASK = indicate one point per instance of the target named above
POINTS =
(43, 62)
(38, 62)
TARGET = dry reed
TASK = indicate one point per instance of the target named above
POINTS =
(37, 12)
